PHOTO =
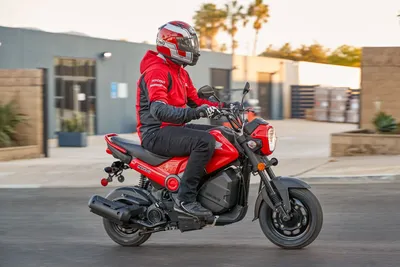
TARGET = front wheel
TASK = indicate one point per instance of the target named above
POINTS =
(303, 227)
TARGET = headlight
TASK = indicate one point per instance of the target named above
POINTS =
(271, 139)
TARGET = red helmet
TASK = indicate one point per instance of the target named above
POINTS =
(178, 41)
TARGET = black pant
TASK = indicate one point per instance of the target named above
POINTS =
(179, 141)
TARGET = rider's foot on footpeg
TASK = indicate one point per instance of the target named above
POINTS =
(192, 208)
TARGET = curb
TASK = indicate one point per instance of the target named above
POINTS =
(353, 178)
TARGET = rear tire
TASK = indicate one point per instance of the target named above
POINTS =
(127, 238)
(302, 229)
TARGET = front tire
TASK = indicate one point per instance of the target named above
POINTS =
(302, 229)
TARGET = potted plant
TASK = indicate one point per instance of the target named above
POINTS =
(9, 120)
(73, 133)
(385, 123)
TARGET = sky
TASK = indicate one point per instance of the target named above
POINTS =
(330, 23)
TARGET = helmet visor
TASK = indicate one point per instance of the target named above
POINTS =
(189, 44)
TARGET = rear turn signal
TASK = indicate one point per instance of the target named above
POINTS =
(104, 182)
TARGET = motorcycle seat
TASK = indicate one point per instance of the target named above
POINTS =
(134, 149)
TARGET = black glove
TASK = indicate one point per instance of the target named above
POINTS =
(205, 111)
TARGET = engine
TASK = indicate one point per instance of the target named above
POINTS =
(221, 192)
(154, 214)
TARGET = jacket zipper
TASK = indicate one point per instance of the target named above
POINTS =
(183, 86)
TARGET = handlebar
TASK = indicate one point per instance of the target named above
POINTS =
(241, 110)
(233, 116)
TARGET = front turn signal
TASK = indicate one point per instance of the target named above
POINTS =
(261, 166)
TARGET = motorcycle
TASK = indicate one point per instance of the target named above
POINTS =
(289, 214)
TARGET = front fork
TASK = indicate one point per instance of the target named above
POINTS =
(266, 175)
(274, 196)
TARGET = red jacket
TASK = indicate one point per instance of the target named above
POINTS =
(164, 91)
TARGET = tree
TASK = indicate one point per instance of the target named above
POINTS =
(346, 55)
(260, 12)
(313, 53)
(235, 15)
(285, 52)
(223, 48)
(208, 21)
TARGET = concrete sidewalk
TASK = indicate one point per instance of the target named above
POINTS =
(302, 151)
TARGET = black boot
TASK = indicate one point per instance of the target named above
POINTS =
(192, 208)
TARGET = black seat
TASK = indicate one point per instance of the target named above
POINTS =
(136, 150)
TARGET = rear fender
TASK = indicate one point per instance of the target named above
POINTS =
(282, 184)
(132, 194)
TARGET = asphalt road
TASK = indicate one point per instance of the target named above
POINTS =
(53, 227)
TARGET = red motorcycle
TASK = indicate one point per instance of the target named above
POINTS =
(289, 214)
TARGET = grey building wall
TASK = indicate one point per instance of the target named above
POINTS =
(22, 48)
(247, 69)
(201, 73)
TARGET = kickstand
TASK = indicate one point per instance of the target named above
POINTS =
(214, 222)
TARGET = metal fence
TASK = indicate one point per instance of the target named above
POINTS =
(335, 104)
(302, 98)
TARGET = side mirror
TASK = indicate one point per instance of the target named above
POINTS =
(246, 88)
(206, 92)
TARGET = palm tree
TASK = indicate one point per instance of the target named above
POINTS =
(235, 15)
(208, 21)
(260, 12)
(223, 48)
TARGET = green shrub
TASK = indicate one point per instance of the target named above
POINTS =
(9, 120)
(75, 124)
(385, 123)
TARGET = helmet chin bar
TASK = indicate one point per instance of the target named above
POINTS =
(178, 62)
(184, 64)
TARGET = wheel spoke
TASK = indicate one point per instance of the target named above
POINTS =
(294, 228)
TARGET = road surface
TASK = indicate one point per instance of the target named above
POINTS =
(53, 227)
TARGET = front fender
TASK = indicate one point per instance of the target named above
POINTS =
(282, 184)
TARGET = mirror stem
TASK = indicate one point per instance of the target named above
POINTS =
(217, 98)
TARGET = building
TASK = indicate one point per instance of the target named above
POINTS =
(380, 84)
(98, 77)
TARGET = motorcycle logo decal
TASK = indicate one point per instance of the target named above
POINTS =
(144, 169)
(218, 145)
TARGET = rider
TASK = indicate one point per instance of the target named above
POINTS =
(164, 91)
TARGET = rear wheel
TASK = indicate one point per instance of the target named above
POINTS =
(124, 236)
(303, 227)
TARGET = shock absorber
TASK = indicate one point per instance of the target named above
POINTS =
(142, 181)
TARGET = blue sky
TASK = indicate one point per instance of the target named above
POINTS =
(331, 23)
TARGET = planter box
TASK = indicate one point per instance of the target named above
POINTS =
(20, 152)
(72, 139)
(363, 143)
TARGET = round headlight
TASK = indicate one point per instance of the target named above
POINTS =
(271, 139)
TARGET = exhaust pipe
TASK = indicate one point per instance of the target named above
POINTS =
(116, 212)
